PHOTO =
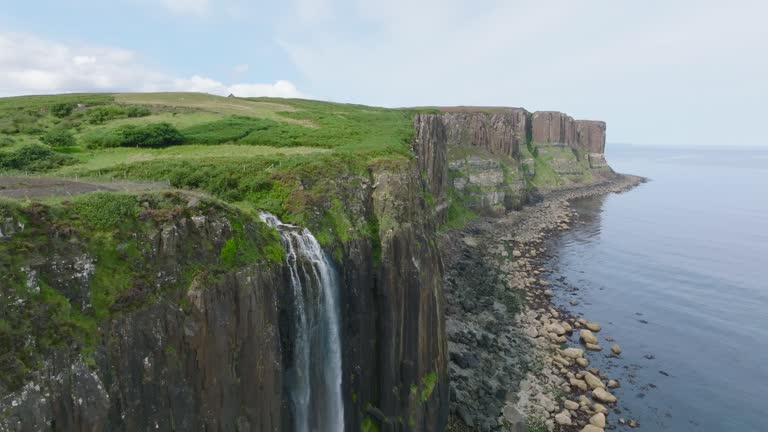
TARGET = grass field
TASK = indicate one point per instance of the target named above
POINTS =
(91, 161)
(212, 104)
(281, 155)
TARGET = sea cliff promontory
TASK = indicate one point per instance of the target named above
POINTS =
(188, 262)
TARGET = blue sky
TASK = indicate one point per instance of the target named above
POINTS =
(659, 72)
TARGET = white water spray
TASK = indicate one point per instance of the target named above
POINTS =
(314, 379)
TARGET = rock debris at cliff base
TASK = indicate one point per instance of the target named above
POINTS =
(507, 361)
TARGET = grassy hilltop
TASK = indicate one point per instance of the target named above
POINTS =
(255, 152)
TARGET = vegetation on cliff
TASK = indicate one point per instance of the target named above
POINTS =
(67, 266)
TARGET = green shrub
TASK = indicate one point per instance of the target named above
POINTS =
(33, 157)
(151, 135)
(427, 386)
(101, 138)
(19, 121)
(62, 110)
(105, 210)
(230, 129)
(101, 114)
(137, 111)
(369, 425)
(58, 138)
(104, 113)
(6, 141)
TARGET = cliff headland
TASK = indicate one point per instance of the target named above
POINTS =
(182, 261)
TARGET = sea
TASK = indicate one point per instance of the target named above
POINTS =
(676, 271)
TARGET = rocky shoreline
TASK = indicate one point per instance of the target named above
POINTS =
(517, 362)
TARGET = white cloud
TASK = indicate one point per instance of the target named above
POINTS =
(199, 84)
(190, 7)
(31, 65)
(284, 89)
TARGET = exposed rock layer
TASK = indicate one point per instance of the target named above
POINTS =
(488, 157)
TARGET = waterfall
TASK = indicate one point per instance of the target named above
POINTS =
(314, 374)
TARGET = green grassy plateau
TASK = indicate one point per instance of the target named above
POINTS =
(253, 151)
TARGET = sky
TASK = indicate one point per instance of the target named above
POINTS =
(683, 72)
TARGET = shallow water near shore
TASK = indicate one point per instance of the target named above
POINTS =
(675, 271)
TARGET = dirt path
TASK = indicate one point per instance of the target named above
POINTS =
(50, 187)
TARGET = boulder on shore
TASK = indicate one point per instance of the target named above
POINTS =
(593, 381)
(595, 327)
(564, 418)
(587, 336)
(573, 353)
(603, 395)
(598, 420)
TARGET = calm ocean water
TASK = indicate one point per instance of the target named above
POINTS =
(676, 270)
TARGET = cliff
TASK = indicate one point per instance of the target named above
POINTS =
(488, 161)
(172, 312)
(182, 310)
(492, 160)
(130, 313)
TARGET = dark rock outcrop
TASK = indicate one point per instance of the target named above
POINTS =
(210, 353)
(207, 357)
(413, 351)
(432, 154)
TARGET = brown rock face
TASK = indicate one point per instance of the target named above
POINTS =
(478, 152)
(501, 133)
(590, 135)
(494, 131)
(552, 127)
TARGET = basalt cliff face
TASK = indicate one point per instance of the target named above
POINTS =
(181, 316)
(488, 161)
(496, 159)
(201, 336)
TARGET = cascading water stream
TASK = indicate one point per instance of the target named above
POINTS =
(314, 379)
